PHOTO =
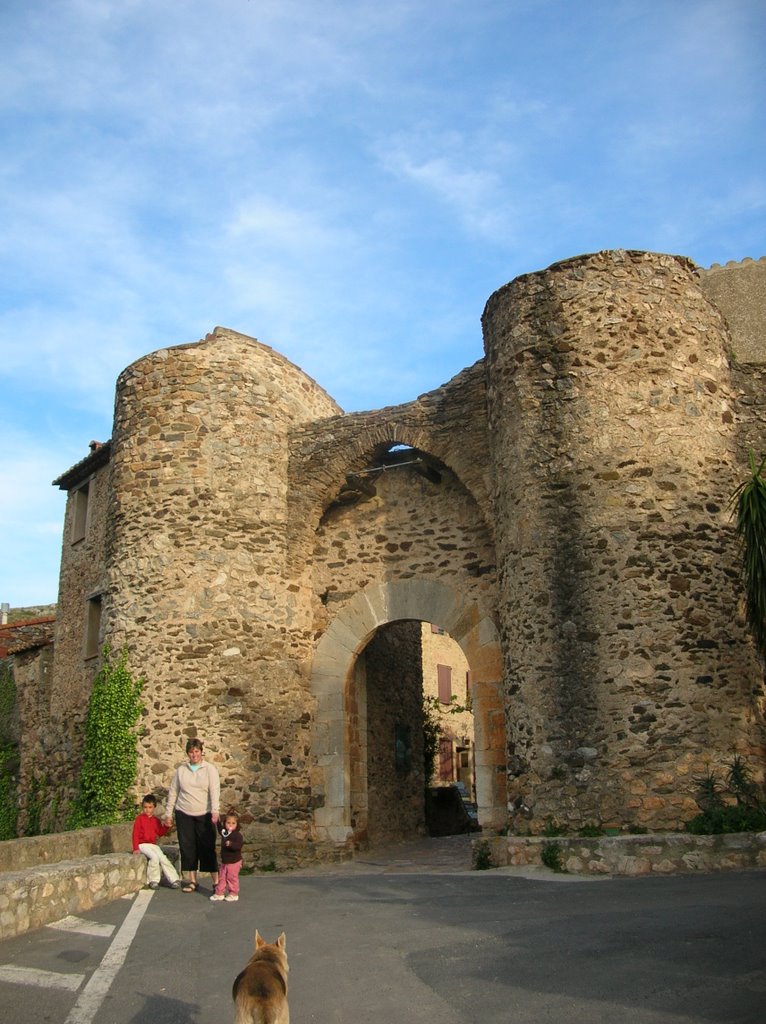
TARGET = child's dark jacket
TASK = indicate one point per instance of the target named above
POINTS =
(231, 845)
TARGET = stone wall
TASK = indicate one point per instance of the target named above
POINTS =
(564, 517)
(739, 291)
(632, 855)
(37, 785)
(53, 734)
(394, 688)
(79, 844)
(611, 412)
(45, 878)
(196, 569)
(456, 726)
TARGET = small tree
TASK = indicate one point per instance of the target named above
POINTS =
(110, 757)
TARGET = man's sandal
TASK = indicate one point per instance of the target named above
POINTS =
(189, 887)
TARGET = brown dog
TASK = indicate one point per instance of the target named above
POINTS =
(260, 990)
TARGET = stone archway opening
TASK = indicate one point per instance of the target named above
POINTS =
(347, 807)
(410, 736)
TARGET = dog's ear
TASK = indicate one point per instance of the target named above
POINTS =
(258, 940)
(282, 942)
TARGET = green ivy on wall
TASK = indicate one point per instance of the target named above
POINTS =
(110, 757)
(433, 709)
(9, 757)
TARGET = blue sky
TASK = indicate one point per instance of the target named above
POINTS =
(348, 181)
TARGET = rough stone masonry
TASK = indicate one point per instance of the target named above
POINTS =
(559, 508)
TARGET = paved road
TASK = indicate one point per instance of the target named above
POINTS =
(390, 941)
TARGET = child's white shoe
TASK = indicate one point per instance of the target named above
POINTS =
(215, 897)
(231, 898)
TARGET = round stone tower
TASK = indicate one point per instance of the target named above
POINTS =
(197, 587)
(612, 445)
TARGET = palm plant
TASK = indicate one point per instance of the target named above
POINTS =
(749, 501)
(741, 782)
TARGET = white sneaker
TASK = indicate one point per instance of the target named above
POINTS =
(215, 897)
(231, 898)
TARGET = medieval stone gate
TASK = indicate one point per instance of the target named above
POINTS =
(559, 507)
(332, 680)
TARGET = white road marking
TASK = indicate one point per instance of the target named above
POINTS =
(82, 927)
(42, 979)
(92, 996)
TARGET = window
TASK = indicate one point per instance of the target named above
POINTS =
(444, 678)
(437, 630)
(92, 626)
(80, 512)
(446, 770)
(468, 688)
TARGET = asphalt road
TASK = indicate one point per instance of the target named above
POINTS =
(456, 948)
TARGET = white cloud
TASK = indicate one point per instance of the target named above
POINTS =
(346, 182)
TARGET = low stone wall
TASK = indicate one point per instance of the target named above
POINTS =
(666, 854)
(16, 854)
(37, 896)
(45, 878)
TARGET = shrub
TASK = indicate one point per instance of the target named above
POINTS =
(734, 818)
(749, 508)
(9, 757)
(482, 858)
(591, 831)
(551, 856)
(718, 814)
(110, 758)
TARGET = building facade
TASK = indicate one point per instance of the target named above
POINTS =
(558, 509)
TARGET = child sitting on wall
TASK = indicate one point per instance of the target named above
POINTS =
(147, 829)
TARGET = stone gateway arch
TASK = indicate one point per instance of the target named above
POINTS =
(559, 508)
(333, 666)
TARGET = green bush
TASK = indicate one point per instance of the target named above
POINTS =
(591, 831)
(714, 796)
(482, 858)
(110, 757)
(734, 818)
(749, 508)
(9, 758)
(551, 856)
(9, 809)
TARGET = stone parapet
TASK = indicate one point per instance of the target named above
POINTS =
(38, 851)
(662, 854)
(37, 896)
(45, 878)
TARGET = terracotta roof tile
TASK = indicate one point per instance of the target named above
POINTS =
(16, 637)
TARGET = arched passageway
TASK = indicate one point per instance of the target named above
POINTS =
(335, 686)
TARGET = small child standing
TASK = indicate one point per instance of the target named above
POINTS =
(231, 859)
(147, 829)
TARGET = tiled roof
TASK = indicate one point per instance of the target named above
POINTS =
(99, 456)
(16, 637)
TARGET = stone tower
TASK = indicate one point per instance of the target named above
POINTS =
(613, 445)
(196, 549)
